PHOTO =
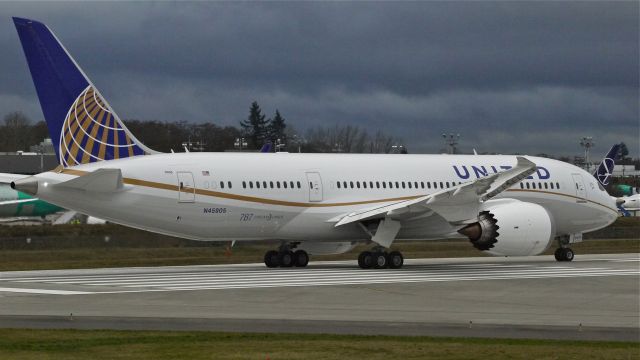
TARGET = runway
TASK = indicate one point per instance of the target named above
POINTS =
(593, 297)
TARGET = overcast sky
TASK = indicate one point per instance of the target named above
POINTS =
(510, 77)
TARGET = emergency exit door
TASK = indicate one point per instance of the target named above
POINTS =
(315, 186)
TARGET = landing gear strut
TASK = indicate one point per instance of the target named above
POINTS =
(380, 259)
(564, 254)
(285, 257)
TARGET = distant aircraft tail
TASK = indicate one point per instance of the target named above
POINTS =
(605, 169)
(82, 125)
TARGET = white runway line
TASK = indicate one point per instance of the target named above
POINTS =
(242, 278)
(44, 291)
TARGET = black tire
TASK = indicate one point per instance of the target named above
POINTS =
(272, 259)
(395, 260)
(365, 260)
(301, 258)
(286, 259)
(559, 254)
(380, 260)
(568, 254)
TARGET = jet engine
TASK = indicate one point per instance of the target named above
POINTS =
(512, 229)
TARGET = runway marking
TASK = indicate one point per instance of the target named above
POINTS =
(43, 291)
(217, 278)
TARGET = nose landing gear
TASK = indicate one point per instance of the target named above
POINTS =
(564, 254)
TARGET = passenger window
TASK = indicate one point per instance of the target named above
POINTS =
(258, 184)
(358, 184)
(558, 185)
(447, 184)
(521, 186)
(338, 183)
(441, 185)
(364, 184)
(422, 184)
(539, 185)
(390, 185)
(533, 185)
(345, 184)
(284, 184)
(229, 183)
(546, 186)
(409, 183)
(299, 186)
(221, 184)
(428, 185)
(291, 184)
(351, 184)
(397, 185)
(527, 185)
(377, 184)
(251, 184)
(552, 185)
(403, 184)
(278, 185)
(384, 185)
(244, 184)
(264, 184)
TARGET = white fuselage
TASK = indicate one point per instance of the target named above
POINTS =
(299, 197)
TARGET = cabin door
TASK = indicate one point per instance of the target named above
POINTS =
(581, 191)
(315, 186)
(186, 187)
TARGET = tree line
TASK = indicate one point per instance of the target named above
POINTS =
(18, 132)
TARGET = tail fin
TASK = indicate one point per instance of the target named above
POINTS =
(82, 125)
(605, 169)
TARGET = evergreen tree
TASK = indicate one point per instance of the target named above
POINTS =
(256, 126)
(277, 128)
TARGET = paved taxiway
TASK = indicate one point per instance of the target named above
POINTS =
(503, 297)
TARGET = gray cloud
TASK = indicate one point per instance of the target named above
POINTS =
(525, 77)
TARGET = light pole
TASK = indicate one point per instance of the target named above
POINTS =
(587, 143)
(450, 142)
(240, 144)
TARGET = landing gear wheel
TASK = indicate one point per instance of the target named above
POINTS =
(564, 254)
(568, 254)
(395, 260)
(380, 260)
(559, 254)
(271, 259)
(365, 260)
(286, 258)
(301, 258)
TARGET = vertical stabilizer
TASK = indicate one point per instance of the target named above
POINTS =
(82, 125)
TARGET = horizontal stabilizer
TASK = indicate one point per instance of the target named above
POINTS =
(101, 180)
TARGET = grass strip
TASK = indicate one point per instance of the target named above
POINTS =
(108, 344)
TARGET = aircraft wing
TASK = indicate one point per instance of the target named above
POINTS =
(8, 178)
(459, 204)
(14, 202)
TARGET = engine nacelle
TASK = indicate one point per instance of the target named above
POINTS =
(512, 229)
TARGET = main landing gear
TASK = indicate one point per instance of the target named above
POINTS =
(380, 259)
(564, 254)
(285, 257)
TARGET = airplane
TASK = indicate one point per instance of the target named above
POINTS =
(506, 205)
(603, 174)
(17, 205)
